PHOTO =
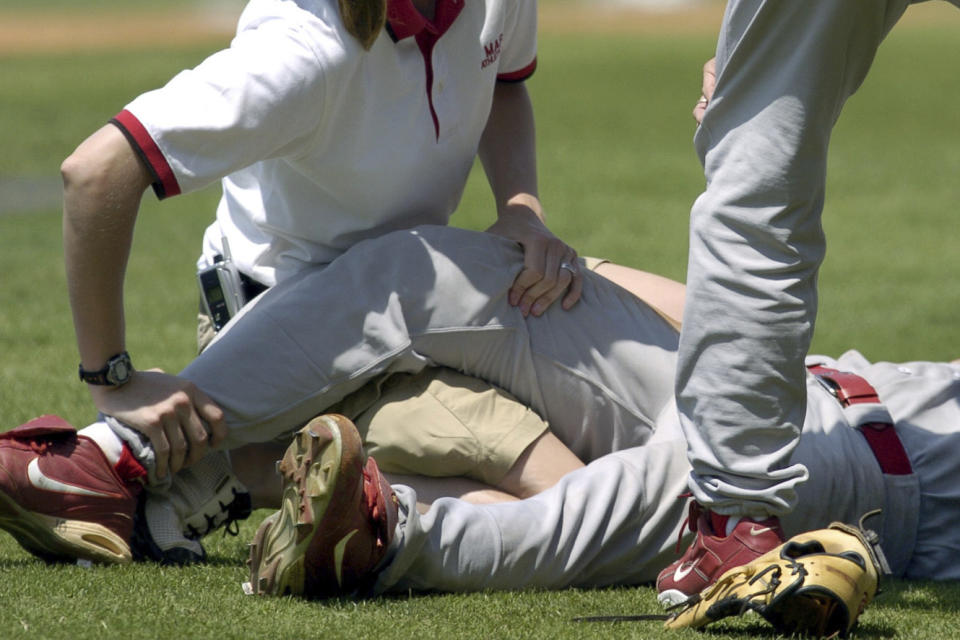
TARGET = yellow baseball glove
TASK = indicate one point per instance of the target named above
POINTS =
(816, 583)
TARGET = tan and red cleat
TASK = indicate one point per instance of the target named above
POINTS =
(336, 520)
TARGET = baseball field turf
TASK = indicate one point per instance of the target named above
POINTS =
(613, 95)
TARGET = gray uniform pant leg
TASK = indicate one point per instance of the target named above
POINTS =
(438, 295)
(784, 70)
(615, 521)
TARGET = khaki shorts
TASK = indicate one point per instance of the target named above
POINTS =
(437, 422)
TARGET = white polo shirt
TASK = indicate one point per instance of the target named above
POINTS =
(321, 144)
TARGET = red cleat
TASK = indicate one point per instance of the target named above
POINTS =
(712, 554)
(60, 497)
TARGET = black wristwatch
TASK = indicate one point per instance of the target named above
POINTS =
(116, 373)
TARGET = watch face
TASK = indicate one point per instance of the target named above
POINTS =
(119, 370)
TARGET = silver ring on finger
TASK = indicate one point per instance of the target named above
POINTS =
(569, 267)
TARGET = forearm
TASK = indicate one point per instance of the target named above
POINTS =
(508, 151)
(103, 184)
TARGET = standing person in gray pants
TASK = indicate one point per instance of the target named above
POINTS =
(783, 71)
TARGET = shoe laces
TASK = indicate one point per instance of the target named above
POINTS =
(378, 516)
(40, 446)
(236, 510)
(693, 515)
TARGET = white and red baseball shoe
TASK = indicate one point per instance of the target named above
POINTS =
(60, 497)
(714, 552)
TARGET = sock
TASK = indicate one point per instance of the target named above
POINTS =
(721, 525)
(116, 451)
(732, 523)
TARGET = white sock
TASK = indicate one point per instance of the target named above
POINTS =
(108, 441)
(732, 523)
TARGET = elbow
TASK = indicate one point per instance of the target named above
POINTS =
(103, 166)
(82, 174)
(77, 175)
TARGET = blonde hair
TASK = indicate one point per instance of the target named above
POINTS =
(364, 19)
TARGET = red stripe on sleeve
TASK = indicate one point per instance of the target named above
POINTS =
(144, 144)
(520, 74)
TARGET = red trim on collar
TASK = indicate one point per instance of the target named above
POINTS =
(520, 74)
(143, 143)
(406, 21)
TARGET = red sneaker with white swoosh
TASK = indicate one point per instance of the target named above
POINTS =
(60, 497)
(336, 521)
(713, 553)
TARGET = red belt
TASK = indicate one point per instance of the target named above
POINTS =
(848, 389)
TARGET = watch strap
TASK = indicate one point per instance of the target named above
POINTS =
(115, 373)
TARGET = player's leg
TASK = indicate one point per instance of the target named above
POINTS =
(255, 466)
(438, 296)
(612, 522)
(633, 392)
(430, 489)
(449, 434)
(664, 295)
(442, 423)
(784, 70)
(541, 465)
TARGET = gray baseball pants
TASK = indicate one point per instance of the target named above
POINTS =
(438, 295)
(784, 70)
(617, 521)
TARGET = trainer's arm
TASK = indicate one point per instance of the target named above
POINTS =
(508, 153)
(104, 182)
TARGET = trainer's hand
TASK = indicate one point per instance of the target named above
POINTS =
(550, 267)
(706, 90)
(171, 412)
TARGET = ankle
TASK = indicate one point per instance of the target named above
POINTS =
(723, 525)
(115, 450)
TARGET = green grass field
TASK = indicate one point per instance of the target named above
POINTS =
(618, 175)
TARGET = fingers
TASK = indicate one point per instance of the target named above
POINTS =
(179, 437)
(545, 279)
(699, 109)
(709, 79)
(198, 426)
(161, 448)
(177, 444)
(212, 415)
(707, 87)
(576, 288)
(197, 437)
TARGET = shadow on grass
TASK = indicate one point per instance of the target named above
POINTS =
(216, 561)
(760, 629)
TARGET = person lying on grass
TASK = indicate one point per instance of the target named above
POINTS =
(600, 374)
